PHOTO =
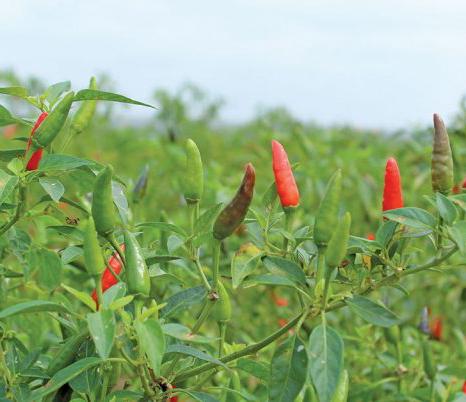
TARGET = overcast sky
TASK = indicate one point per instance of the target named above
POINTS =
(374, 63)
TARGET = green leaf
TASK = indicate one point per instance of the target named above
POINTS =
(102, 327)
(197, 396)
(164, 227)
(293, 271)
(6, 118)
(260, 370)
(198, 354)
(288, 371)
(154, 259)
(52, 187)
(268, 280)
(206, 220)
(54, 91)
(6, 155)
(183, 333)
(34, 306)
(244, 263)
(152, 342)
(7, 185)
(70, 254)
(458, 234)
(81, 296)
(94, 94)
(270, 195)
(15, 91)
(49, 267)
(51, 162)
(113, 294)
(68, 231)
(372, 312)
(446, 208)
(411, 216)
(326, 357)
(183, 300)
(121, 302)
(64, 376)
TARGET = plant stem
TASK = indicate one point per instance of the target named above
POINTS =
(320, 264)
(103, 393)
(98, 286)
(222, 326)
(202, 274)
(216, 264)
(16, 216)
(116, 247)
(288, 214)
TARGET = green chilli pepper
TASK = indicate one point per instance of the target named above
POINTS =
(67, 353)
(221, 312)
(84, 114)
(103, 210)
(327, 214)
(341, 392)
(93, 258)
(136, 271)
(53, 123)
(429, 367)
(336, 249)
(194, 175)
(234, 213)
(442, 160)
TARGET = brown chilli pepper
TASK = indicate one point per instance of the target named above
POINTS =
(234, 213)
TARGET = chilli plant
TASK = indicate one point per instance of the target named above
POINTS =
(166, 320)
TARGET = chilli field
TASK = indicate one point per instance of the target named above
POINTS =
(182, 259)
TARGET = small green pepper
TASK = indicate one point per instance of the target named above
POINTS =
(84, 114)
(53, 123)
(93, 258)
(327, 214)
(103, 210)
(221, 312)
(442, 160)
(136, 271)
(341, 392)
(194, 174)
(338, 244)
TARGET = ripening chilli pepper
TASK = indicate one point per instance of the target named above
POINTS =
(53, 124)
(327, 214)
(336, 249)
(194, 174)
(392, 193)
(83, 116)
(108, 279)
(103, 210)
(234, 213)
(136, 271)
(35, 158)
(221, 312)
(442, 160)
(93, 258)
(285, 183)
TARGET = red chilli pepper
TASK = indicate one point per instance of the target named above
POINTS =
(392, 193)
(436, 328)
(108, 280)
(464, 183)
(371, 236)
(284, 180)
(464, 387)
(34, 161)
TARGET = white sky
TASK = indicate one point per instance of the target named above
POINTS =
(375, 63)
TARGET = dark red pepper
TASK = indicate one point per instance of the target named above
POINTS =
(392, 193)
(436, 328)
(35, 158)
(108, 279)
(287, 189)
(464, 387)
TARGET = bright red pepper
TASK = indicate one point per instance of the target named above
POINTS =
(284, 180)
(464, 387)
(108, 280)
(392, 193)
(34, 161)
(464, 183)
(436, 328)
(371, 236)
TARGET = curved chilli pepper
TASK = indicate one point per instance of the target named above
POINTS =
(341, 392)
(108, 279)
(103, 210)
(136, 271)
(285, 182)
(327, 214)
(35, 158)
(85, 113)
(442, 160)
(194, 175)
(67, 353)
(221, 312)
(233, 214)
(392, 193)
(336, 249)
(53, 124)
(93, 259)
